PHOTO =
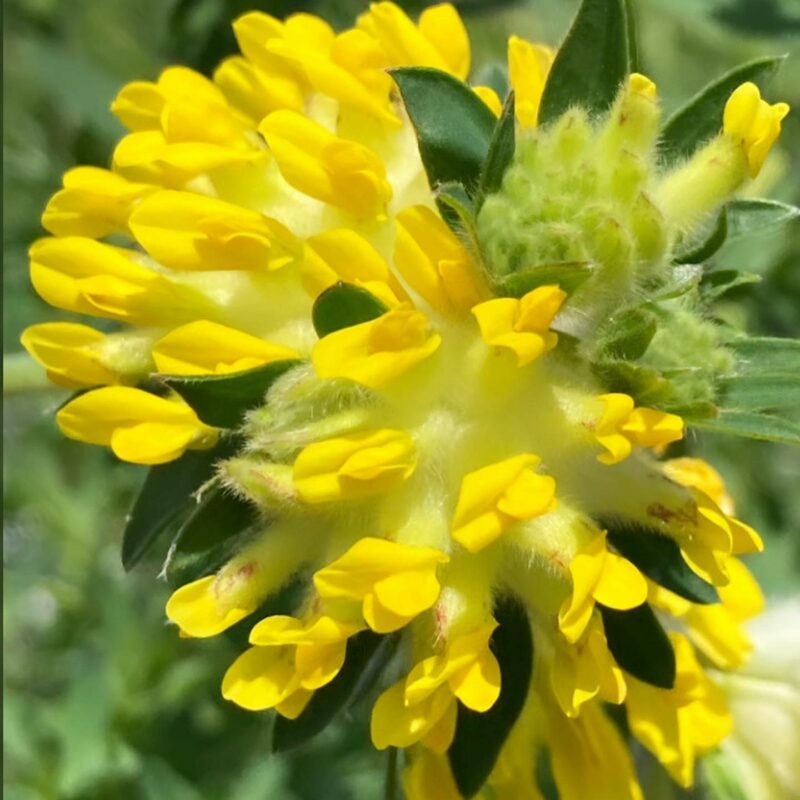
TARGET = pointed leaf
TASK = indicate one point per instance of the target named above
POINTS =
(720, 282)
(591, 64)
(569, 275)
(166, 498)
(757, 355)
(701, 118)
(760, 392)
(639, 644)
(222, 400)
(628, 335)
(209, 537)
(453, 125)
(501, 152)
(646, 385)
(367, 654)
(342, 306)
(752, 425)
(480, 736)
(659, 557)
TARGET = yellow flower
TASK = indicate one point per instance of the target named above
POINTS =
(678, 724)
(585, 670)
(138, 426)
(753, 122)
(528, 66)
(391, 582)
(422, 706)
(599, 576)
(521, 326)
(377, 352)
(495, 497)
(353, 466)
(623, 427)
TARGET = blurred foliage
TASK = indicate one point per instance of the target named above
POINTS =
(101, 699)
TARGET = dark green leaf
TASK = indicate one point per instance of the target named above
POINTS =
(591, 64)
(453, 125)
(701, 117)
(165, 499)
(751, 425)
(629, 335)
(659, 557)
(737, 219)
(222, 400)
(640, 645)
(719, 282)
(342, 306)
(634, 60)
(501, 152)
(209, 536)
(367, 654)
(760, 392)
(569, 275)
(757, 355)
(455, 206)
(480, 736)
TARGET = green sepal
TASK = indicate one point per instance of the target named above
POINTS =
(501, 153)
(166, 498)
(209, 537)
(629, 335)
(223, 400)
(640, 645)
(681, 280)
(752, 425)
(479, 737)
(760, 392)
(453, 125)
(659, 557)
(569, 275)
(759, 355)
(719, 282)
(342, 306)
(367, 655)
(701, 118)
(592, 63)
(646, 385)
(737, 219)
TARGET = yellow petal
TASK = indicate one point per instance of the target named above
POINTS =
(318, 664)
(403, 596)
(528, 67)
(260, 678)
(377, 352)
(490, 97)
(620, 585)
(329, 168)
(139, 426)
(585, 570)
(188, 231)
(650, 428)
(353, 466)
(207, 348)
(194, 609)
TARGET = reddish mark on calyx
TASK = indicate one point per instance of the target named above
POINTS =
(665, 514)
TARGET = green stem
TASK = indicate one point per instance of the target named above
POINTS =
(22, 374)
(390, 789)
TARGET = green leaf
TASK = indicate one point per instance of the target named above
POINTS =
(644, 384)
(719, 282)
(480, 736)
(569, 275)
(367, 654)
(760, 392)
(453, 125)
(501, 153)
(209, 537)
(659, 557)
(455, 206)
(342, 306)
(591, 64)
(752, 425)
(758, 355)
(222, 400)
(634, 59)
(682, 279)
(737, 219)
(629, 335)
(701, 118)
(166, 498)
(640, 645)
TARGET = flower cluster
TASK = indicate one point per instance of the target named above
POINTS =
(413, 411)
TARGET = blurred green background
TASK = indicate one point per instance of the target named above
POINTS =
(101, 699)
